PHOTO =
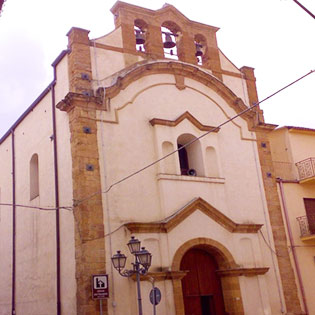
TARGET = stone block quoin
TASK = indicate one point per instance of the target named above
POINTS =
(79, 60)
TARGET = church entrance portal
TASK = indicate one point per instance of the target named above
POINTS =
(202, 291)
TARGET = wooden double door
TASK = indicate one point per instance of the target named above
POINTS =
(201, 286)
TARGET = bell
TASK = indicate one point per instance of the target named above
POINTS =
(168, 42)
(139, 38)
(199, 52)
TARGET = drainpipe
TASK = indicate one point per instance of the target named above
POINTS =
(292, 245)
(56, 193)
(13, 224)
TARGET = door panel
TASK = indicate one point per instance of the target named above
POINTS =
(201, 286)
(192, 305)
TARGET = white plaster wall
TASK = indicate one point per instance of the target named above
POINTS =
(280, 145)
(227, 64)
(35, 229)
(106, 62)
(238, 86)
(129, 143)
(103, 66)
(62, 76)
(113, 38)
(236, 155)
(254, 290)
(67, 252)
(302, 144)
(5, 227)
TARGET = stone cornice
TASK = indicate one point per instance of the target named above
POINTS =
(125, 78)
(186, 115)
(162, 276)
(247, 272)
(171, 222)
(264, 127)
(178, 275)
(76, 99)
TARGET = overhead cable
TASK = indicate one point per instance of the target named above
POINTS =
(78, 202)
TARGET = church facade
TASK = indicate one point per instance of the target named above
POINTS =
(149, 131)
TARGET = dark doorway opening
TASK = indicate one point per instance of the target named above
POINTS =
(183, 160)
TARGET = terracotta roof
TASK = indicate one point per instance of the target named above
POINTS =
(299, 128)
(296, 129)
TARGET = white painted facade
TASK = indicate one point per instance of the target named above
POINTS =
(228, 179)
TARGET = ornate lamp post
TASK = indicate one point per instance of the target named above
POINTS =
(140, 266)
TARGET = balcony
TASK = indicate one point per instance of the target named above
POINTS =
(307, 227)
(306, 169)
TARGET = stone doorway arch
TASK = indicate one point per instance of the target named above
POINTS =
(230, 285)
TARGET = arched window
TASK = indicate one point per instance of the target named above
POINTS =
(140, 28)
(170, 36)
(34, 177)
(190, 157)
(201, 48)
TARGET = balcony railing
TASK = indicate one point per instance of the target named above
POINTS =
(306, 168)
(306, 227)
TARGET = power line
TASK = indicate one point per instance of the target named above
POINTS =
(36, 207)
(78, 202)
(305, 9)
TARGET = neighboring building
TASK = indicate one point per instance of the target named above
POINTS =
(209, 214)
(293, 152)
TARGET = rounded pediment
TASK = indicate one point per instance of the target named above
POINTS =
(181, 71)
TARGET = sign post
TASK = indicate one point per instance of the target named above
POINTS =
(155, 298)
(100, 289)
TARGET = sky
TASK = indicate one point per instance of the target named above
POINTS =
(276, 37)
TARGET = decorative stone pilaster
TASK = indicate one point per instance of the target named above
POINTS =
(88, 210)
(81, 107)
(79, 61)
(250, 80)
(154, 44)
(277, 225)
(186, 49)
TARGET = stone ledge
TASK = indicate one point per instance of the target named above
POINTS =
(215, 180)
(162, 276)
(247, 272)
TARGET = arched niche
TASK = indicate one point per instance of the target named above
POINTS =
(175, 34)
(34, 177)
(190, 156)
(201, 45)
(140, 29)
(169, 163)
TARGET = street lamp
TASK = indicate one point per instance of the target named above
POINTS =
(141, 264)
